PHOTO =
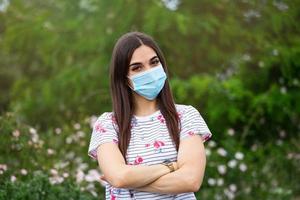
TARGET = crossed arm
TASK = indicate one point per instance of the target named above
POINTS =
(188, 177)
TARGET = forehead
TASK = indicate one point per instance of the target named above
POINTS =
(142, 54)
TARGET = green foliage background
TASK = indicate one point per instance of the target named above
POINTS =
(238, 62)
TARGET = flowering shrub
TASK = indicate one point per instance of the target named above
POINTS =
(60, 165)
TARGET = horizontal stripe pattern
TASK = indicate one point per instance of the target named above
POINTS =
(150, 144)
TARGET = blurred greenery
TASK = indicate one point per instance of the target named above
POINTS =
(238, 62)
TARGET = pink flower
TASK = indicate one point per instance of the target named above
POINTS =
(158, 144)
(206, 136)
(161, 118)
(191, 133)
(147, 145)
(112, 197)
(113, 119)
(179, 115)
(138, 160)
(99, 128)
(115, 141)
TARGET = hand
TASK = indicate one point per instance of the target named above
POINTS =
(175, 165)
(102, 178)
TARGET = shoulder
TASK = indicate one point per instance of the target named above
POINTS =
(183, 108)
(105, 118)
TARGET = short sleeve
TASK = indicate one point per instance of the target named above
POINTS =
(192, 123)
(103, 132)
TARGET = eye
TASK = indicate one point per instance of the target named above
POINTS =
(136, 68)
(155, 62)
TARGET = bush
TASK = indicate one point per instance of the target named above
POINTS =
(38, 187)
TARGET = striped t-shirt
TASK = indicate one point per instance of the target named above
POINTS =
(150, 144)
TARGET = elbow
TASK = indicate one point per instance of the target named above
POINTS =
(117, 182)
(120, 179)
(193, 184)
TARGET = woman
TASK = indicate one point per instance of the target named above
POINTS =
(148, 147)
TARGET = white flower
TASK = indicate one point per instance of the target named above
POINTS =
(50, 151)
(279, 142)
(283, 90)
(70, 155)
(93, 120)
(222, 169)
(4, 5)
(233, 187)
(246, 57)
(229, 194)
(280, 5)
(220, 182)
(212, 143)
(80, 134)
(3, 167)
(82, 166)
(239, 155)
(243, 167)
(230, 132)
(261, 64)
(65, 175)
(79, 176)
(54, 172)
(282, 134)
(56, 180)
(16, 133)
(94, 193)
(254, 147)
(211, 181)
(207, 152)
(23, 171)
(93, 175)
(32, 131)
(13, 178)
(58, 131)
(275, 52)
(35, 138)
(222, 152)
(69, 140)
(232, 163)
(77, 126)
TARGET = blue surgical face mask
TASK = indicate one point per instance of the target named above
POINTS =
(149, 83)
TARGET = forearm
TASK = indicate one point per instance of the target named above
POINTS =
(138, 175)
(172, 183)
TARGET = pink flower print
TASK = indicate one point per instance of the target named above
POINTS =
(157, 144)
(133, 122)
(206, 136)
(161, 118)
(138, 160)
(113, 119)
(191, 133)
(147, 145)
(112, 197)
(115, 141)
(99, 128)
(179, 115)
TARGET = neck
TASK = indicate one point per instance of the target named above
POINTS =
(144, 106)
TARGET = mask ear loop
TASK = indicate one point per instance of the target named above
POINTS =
(129, 84)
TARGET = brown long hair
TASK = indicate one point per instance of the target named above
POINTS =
(122, 99)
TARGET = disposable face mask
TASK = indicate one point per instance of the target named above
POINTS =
(149, 83)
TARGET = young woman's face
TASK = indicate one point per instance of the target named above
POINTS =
(143, 58)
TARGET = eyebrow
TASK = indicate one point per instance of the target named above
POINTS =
(136, 63)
